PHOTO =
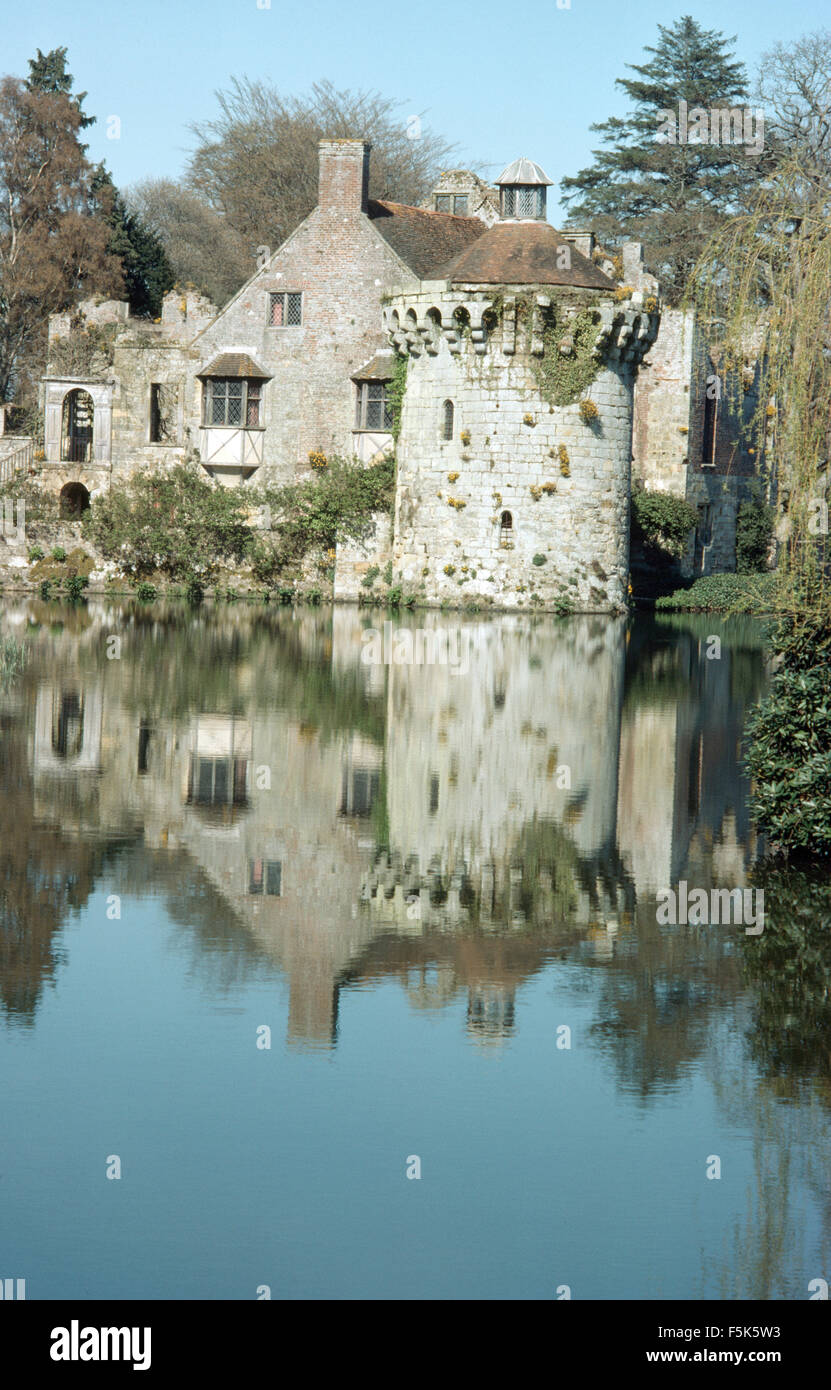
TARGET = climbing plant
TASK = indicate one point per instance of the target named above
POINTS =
(395, 393)
(568, 365)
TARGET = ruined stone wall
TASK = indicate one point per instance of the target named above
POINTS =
(141, 359)
(504, 456)
(668, 418)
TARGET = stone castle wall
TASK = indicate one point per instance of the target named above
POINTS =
(450, 540)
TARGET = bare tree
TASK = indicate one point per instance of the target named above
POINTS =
(256, 163)
(794, 87)
(202, 247)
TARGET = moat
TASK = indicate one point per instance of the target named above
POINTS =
(276, 921)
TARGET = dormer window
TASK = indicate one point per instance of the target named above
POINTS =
(451, 202)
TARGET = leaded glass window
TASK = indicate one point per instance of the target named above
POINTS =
(285, 310)
(373, 408)
(232, 401)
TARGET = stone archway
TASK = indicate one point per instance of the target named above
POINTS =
(77, 427)
(74, 499)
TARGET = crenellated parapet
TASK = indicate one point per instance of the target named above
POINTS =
(518, 323)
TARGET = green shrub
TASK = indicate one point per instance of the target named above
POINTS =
(46, 590)
(538, 560)
(146, 593)
(334, 504)
(75, 586)
(194, 591)
(370, 576)
(58, 553)
(789, 742)
(42, 506)
(36, 552)
(661, 523)
(754, 529)
(723, 593)
(171, 522)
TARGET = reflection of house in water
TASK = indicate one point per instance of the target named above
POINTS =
(68, 720)
(361, 779)
(490, 1012)
(480, 830)
(219, 765)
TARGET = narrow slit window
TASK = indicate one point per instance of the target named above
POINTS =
(447, 421)
(506, 528)
(163, 403)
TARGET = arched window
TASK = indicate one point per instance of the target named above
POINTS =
(447, 413)
(506, 528)
(76, 427)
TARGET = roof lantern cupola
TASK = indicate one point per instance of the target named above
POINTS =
(522, 191)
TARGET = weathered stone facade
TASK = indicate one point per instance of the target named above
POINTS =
(690, 436)
(525, 501)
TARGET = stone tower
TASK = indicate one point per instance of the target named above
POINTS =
(515, 438)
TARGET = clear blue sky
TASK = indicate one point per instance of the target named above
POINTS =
(498, 78)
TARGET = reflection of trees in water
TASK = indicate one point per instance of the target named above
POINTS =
(236, 658)
(43, 877)
(666, 658)
(789, 966)
(784, 1097)
(772, 1251)
(658, 999)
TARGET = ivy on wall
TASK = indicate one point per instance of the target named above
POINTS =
(395, 393)
(568, 365)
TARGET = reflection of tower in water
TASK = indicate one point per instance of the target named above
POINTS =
(490, 1012)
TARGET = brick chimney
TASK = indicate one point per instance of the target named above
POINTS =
(343, 185)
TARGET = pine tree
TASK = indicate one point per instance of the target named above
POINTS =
(47, 73)
(672, 194)
(147, 271)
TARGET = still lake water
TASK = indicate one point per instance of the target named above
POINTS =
(425, 883)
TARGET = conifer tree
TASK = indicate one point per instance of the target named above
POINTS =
(668, 184)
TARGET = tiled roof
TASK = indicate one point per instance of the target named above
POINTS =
(380, 368)
(234, 364)
(523, 253)
(423, 240)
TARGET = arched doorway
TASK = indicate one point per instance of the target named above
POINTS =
(74, 499)
(77, 427)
